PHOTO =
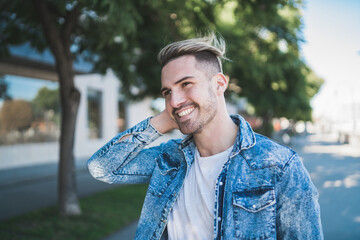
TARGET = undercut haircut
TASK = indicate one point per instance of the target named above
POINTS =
(208, 52)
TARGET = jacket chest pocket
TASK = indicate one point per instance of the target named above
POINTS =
(164, 172)
(254, 213)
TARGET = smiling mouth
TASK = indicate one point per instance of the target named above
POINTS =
(186, 112)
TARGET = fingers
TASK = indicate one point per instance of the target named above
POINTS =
(163, 122)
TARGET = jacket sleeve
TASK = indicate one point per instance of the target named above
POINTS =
(123, 159)
(298, 210)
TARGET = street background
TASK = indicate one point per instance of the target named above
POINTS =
(333, 167)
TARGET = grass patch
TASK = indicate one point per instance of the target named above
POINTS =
(102, 214)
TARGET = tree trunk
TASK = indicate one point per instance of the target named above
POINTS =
(59, 43)
(266, 127)
(70, 99)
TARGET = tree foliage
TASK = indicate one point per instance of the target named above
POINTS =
(266, 63)
(46, 99)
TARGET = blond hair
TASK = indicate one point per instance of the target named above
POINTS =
(209, 49)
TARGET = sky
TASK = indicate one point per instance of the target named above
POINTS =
(21, 87)
(332, 50)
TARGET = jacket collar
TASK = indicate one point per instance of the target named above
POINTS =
(245, 137)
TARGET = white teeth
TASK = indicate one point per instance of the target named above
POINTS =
(186, 112)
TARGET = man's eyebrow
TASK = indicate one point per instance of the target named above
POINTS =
(177, 82)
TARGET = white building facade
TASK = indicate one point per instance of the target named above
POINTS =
(112, 113)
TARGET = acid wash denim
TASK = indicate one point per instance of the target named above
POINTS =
(262, 192)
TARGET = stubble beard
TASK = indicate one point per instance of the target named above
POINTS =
(205, 115)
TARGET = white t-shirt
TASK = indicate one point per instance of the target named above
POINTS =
(192, 216)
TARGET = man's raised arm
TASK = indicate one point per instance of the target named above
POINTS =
(123, 159)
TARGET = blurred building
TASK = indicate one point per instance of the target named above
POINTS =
(30, 112)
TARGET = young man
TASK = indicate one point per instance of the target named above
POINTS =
(223, 181)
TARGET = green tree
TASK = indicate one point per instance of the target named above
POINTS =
(264, 40)
(46, 99)
(69, 29)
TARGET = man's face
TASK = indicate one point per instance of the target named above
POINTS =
(189, 94)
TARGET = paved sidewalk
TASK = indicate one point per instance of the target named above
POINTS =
(127, 233)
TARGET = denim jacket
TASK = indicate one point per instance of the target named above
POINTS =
(262, 192)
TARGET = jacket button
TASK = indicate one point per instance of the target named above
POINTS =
(219, 219)
(220, 183)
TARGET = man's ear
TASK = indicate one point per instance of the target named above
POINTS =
(221, 83)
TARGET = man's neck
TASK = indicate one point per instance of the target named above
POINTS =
(218, 136)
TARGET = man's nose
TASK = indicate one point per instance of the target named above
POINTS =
(177, 99)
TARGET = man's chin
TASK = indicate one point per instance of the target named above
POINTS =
(184, 129)
(187, 130)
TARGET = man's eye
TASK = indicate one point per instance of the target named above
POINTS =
(185, 84)
(166, 93)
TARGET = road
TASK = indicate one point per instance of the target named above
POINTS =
(335, 171)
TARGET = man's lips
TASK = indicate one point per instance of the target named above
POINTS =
(185, 112)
